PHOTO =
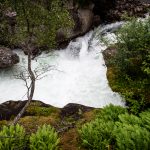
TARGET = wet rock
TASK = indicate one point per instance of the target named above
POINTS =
(110, 52)
(131, 8)
(74, 110)
(10, 109)
(35, 51)
(83, 22)
(7, 58)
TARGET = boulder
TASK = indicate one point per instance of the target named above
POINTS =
(10, 109)
(130, 8)
(83, 22)
(7, 58)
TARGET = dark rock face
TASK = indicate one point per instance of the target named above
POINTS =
(110, 52)
(74, 110)
(94, 12)
(102, 7)
(83, 18)
(130, 7)
(10, 109)
(7, 58)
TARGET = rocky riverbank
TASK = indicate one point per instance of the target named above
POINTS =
(85, 16)
(65, 120)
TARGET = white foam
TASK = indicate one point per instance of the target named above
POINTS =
(80, 77)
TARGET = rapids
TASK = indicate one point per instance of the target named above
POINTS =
(78, 74)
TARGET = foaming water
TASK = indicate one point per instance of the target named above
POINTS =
(78, 76)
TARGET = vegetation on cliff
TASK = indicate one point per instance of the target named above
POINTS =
(125, 131)
(39, 19)
(113, 127)
(129, 68)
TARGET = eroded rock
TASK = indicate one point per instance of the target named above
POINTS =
(7, 58)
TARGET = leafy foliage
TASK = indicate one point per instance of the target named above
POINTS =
(44, 139)
(97, 134)
(145, 116)
(111, 112)
(125, 131)
(133, 137)
(130, 119)
(12, 137)
(131, 64)
(38, 19)
(134, 48)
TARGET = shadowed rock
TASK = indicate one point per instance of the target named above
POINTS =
(7, 58)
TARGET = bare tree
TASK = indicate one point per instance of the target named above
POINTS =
(29, 76)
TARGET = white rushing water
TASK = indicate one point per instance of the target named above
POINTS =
(79, 75)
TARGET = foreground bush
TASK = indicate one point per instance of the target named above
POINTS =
(131, 137)
(122, 132)
(97, 134)
(111, 112)
(131, 64)
(44, 139)
(145, 116)
(12, 138)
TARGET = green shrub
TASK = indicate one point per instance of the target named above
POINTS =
(111, 112)
(130, 119)
(12, 138)
(117, 129)
(97, 134)
(44, 139)
(131, 137)
(132, 64)
(133, 47)
(145, 116)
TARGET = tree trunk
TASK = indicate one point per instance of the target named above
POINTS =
(30, 91)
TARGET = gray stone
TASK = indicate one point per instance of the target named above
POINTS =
(7, 58)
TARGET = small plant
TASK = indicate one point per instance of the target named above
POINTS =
(111, 112)
(97, 134)
(130, 119)
(131, 137)
(116, 129)
(145, 116)
(12, 138)
(44, 139)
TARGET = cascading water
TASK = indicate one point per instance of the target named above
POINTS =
(79, 75)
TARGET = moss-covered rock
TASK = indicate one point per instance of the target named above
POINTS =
(38, 109)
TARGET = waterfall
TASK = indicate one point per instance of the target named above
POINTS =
(78, 74)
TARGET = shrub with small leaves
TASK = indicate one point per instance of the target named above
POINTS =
(114, 128)
(111, 112)
(130, 119)
(131, 137)
(44, 139)
(12, 138)
(97, 134)
(145, 117)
